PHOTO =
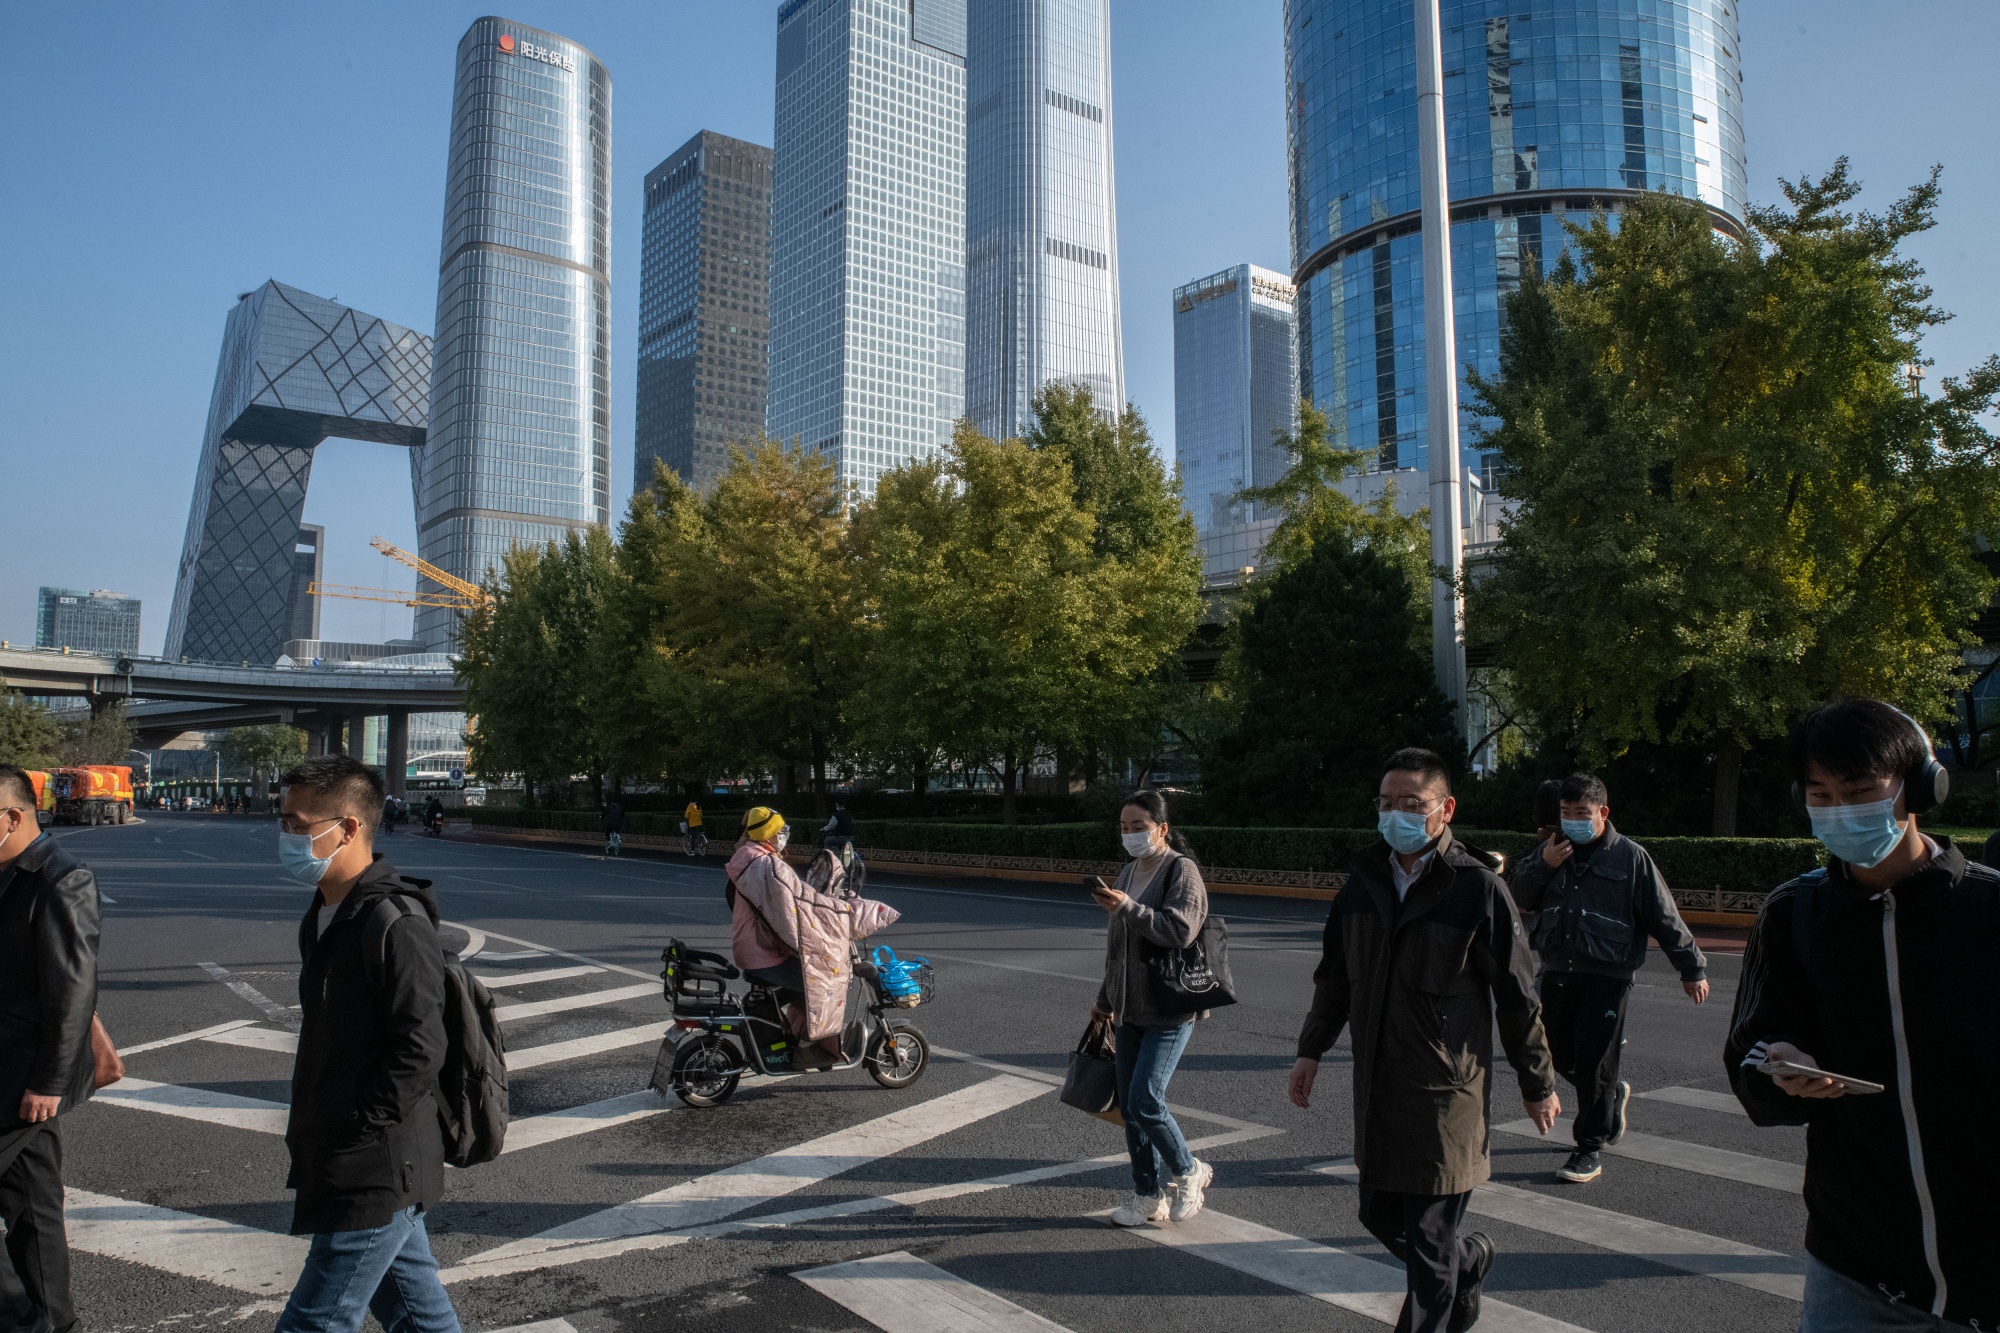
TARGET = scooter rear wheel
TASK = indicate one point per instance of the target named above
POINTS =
(898, 1056)
(705, 1072)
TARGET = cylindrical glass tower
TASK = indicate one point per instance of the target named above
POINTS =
(1553, 108)
(520, 424)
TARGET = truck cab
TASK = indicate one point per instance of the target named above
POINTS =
(93, 794)
(45, 797)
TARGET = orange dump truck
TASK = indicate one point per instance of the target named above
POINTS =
(45, 796)
(97, 794)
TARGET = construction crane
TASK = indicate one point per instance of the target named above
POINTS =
(458, 595)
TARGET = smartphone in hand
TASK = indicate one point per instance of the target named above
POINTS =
(1096, 884)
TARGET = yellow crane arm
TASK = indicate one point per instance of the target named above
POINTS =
(449, 601)
(472, 592)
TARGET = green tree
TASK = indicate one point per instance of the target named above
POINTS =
(99, 736)
(29, 737)
(266, 750)
(1731, 504)
(1329, 679)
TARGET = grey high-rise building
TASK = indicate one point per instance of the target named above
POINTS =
(1552, 108)
(704, 317)
(868, 231)
(87, 622)
(295, 369)
(520, 444)
(1041, 218)
(1235, 371)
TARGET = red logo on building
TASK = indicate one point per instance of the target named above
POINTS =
(507, 42)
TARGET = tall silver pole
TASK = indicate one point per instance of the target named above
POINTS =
(1441, 368)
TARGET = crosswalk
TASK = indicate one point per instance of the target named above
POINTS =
(551, 994)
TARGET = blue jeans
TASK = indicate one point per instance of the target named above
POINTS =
(388, 1270)
(1836, 1303)
(1146, 1060)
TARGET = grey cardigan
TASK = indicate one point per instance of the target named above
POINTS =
(1168, 912)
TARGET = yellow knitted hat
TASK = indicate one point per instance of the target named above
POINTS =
(762, 823)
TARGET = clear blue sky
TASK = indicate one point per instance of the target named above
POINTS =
(163, 158)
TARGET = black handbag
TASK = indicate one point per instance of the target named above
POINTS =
(1091, 1085)
(1195, 977)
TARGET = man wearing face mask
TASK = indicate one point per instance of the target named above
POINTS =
(1423, 951)
(367, 1151)
(1881, 967)
(1597, 896)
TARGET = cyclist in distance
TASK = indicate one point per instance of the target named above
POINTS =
(695, 836)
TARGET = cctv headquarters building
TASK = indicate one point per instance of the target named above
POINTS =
(1553, 109)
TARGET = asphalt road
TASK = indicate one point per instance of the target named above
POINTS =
(978, 1186)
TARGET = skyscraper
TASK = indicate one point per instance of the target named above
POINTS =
(867, 231)
(1553, 108)
(520, 443)
(308, 568)
(704, 323)
(1041, 222)
(1234, 371)
(87, 622)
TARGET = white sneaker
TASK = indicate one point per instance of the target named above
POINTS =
(1188, 1191)
(1142, 1209)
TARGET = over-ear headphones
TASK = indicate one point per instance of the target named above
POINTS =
(1925, 783)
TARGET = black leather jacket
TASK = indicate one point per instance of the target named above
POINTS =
(1594, 912)
(48, 978)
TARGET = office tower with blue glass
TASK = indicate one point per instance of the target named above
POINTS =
(1554, 109)
(1235, 368)
(97, 621)
(1041, 215)
(704, 318)
(868, 231)
(520, 415)
(295, 368)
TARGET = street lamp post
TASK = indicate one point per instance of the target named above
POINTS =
(1441, 368)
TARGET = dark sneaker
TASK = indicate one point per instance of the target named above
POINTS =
(1581, 1168)
(1620, 1105)
(1465, 1305)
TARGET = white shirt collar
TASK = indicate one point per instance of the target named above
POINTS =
(1404, 879)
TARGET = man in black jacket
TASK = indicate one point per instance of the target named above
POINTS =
(367, 1151)
(1881, 967)
(1423, 951)
(48, 993)
(1597, 896)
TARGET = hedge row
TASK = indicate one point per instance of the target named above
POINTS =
(1735, 864)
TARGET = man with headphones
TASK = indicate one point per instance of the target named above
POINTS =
(1879, 972)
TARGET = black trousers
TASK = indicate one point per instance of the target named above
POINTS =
(1584, 1016)
(35, 1278)
(1422, 1231)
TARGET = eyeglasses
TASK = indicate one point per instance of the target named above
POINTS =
(1409, 805)
(293, 824)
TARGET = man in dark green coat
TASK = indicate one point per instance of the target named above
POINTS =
(1423, 950)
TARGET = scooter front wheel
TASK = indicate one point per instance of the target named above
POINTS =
(898, 1056)
(705, 1072)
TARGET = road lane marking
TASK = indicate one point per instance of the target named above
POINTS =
(1682, 1156)
(539, 1326)
(555, 1052)
(644, 1223)
(535, 1130)
(508, 1013)
(1669, 1246)
(1323, 1272)
(241, 1258)
(259, 1039)
(217, 1108)
(197, 1035)
(1699, 1098)
(496, 979)
(274, 1011)
(900, 1293)
(1056, 1081)
(521, 956)
(536, 950)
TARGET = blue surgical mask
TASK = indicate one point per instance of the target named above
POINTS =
(295, 857)
(1861, 835)
(1405, 833)
(1579, 830)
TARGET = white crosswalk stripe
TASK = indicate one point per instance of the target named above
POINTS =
(199, 1033)
(495, 980)
(900, 1293)
(512, 1013)
(217, 1108)
(1668, 1246)
(241, 1258)
(1699, 1098)
(1683, 1156)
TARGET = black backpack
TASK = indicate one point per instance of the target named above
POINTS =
(472, 1086)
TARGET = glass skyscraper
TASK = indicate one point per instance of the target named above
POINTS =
(87, 622)
(1041, 221)
(704, 323)
(1553, 109)
(1235, 368)
(868, 231)
(520, 443)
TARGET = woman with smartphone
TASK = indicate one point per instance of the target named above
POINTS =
(1158, 903)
